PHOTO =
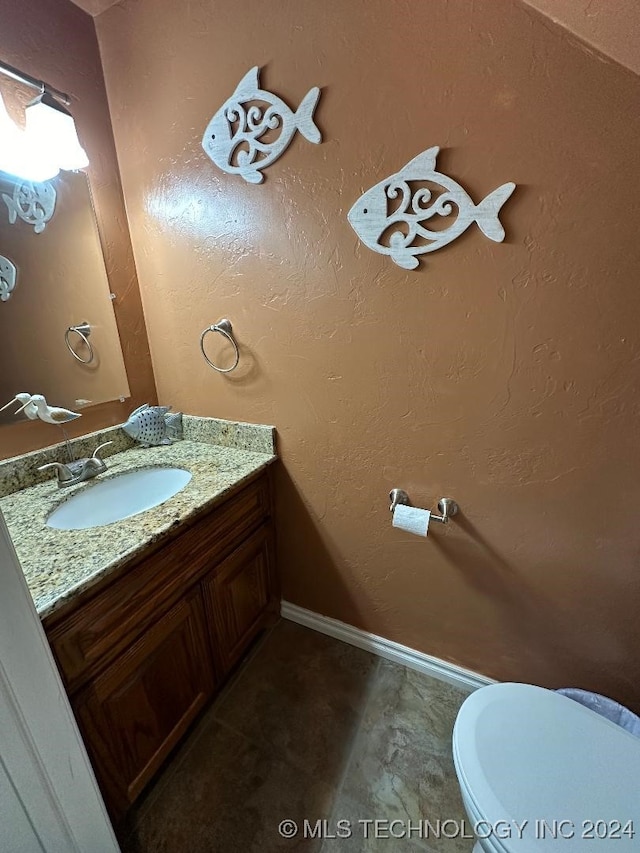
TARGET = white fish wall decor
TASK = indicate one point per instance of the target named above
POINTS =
(241, 138)
(35, 204)
(8, 277)
(391, 217)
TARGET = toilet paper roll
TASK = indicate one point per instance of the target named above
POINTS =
(412, 519)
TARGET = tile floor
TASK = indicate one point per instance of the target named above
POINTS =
(310, 728)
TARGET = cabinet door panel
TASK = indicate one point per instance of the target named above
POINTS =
(240, 595)
(137, 710)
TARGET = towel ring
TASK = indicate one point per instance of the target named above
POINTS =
(83, 330)
(225, 328)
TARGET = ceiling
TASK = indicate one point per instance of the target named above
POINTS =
(95, 7)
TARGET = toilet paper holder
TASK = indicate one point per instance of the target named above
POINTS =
(447, 506)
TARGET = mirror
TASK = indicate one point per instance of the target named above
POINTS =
(53, 277)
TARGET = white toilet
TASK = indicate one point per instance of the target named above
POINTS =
(538, 771)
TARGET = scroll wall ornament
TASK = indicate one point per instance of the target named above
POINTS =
(8, 276)
(390, 217)
(35, 204)
(241, 138)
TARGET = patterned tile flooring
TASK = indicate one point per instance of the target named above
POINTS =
(310, 729)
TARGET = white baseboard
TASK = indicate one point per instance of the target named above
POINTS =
(442, 669)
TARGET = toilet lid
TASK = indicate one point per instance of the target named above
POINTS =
(524, 753)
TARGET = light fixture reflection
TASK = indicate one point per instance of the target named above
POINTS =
(53, 128)
(21, 155)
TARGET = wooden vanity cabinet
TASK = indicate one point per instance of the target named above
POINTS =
(144, 653)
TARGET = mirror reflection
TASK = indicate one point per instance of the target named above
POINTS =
(58, 334)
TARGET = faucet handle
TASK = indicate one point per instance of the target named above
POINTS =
(98, 448)
(63, 471)
(46, 467)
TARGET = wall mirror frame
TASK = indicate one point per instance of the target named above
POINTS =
(36, 40)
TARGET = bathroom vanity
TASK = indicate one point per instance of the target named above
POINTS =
(142, 655)
(146, 629)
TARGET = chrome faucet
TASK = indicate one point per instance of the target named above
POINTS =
(79, 470)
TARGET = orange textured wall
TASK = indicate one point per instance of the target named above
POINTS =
(612, 27)
(504, 375)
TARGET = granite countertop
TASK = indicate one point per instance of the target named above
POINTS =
(59, 564)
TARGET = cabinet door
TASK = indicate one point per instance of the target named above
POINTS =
(241, 594)
(136, 711)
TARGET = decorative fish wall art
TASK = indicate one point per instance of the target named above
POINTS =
(35, 204)
(8, 276)
(241, 138)
(391, 217)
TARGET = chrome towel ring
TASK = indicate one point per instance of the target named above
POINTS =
(225, 328)
(83, 330)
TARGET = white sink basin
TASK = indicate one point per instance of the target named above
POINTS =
(118, 497)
